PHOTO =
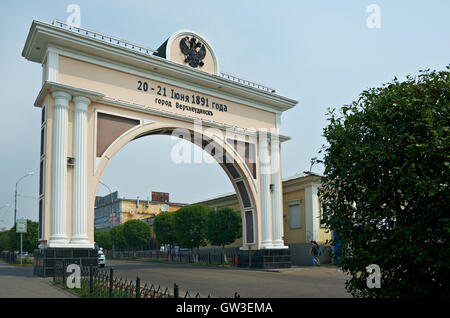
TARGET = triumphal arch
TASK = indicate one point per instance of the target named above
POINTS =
(99, 93)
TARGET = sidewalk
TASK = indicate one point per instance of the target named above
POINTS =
(19, 282)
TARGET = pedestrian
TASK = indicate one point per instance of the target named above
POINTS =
(314, 252)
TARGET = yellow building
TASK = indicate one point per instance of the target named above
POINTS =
(301, 209)
(129, 209)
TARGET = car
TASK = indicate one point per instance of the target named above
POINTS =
(101, 258)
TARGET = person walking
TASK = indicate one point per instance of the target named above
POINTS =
(314, 251)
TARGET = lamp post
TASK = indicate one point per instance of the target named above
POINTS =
(112, 214)
(15, 195)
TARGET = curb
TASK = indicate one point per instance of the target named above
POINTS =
(64, 290)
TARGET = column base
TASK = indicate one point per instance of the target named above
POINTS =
(45, 259)
(266, 245)
(58, 241)
(81, 244)
(266, 258)
(279, 246)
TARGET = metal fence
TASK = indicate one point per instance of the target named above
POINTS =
(102, 283)
(180, 256)
(10, 257)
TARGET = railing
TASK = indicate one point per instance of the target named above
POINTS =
(103, 37)
(145, 50)
(14, 257)
(248, 83)
(102, 283)
(180, 256)
(9, 257)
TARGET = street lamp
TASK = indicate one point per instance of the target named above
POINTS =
(15, 196)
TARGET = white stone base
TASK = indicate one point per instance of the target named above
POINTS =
(80, 244)
(58, 244)
(267, 246)
(279, 247)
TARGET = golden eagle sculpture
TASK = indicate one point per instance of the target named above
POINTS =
(193, 51)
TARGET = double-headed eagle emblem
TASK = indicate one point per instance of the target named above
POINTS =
(193, 51)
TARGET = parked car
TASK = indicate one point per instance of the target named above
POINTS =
(101, 258)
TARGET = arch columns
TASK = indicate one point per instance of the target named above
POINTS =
(58, 235)
(277, 193)
(265, 170)
(79, 223)
(271, 192)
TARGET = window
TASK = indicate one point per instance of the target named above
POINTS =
(295, 214)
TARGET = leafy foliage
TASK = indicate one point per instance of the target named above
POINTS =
(224, 226)
(137, 233)
(386, 186)
(4, 241)
(164, 228)
(103, 239)
(190, 225)
(11, 240)
(118, 239)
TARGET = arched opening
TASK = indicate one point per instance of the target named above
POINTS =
(225, 152)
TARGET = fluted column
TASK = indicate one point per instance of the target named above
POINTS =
(58, 236)
(277, 193)
(79, 223)
(311, 213)
(266, 219)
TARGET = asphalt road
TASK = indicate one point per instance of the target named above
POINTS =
(300, 282)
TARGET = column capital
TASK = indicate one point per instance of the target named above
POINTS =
(79, 99)
(61, 95)
(263, 132)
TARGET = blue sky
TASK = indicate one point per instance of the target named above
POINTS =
(320, 53)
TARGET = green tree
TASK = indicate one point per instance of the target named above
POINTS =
(4, 241)
(224, 226)
(103, 239)
(190, 226)
(164, 228)
(386, 186)
(118, 240)
(29, 239)
(137, 233)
